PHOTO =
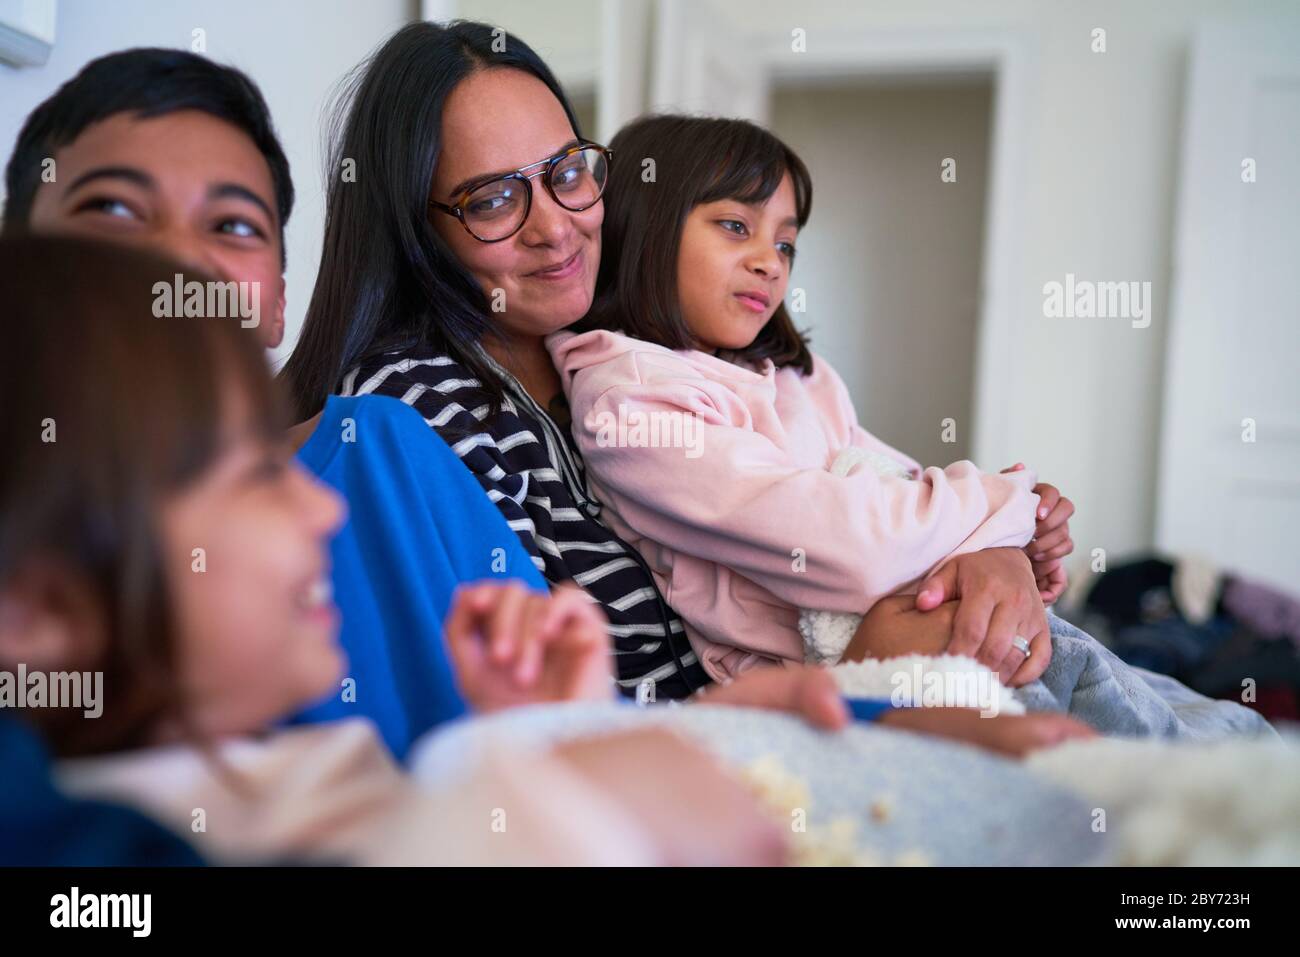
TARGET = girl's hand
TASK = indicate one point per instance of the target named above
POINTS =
(1014, 735)
(805, 691)
(697, 813)
(1051, 541)
(1051, 580)
(998, 601)
(512, 646)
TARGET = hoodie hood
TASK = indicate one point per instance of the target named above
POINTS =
(573, 352)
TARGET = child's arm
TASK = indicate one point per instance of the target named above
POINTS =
(696, 811)
(894, 627)
(806, 691)
(1014, 735)
(813, 539)
(791, 689)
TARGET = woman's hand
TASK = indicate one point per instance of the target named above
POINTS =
(512, 646)
(1051, 541)
(998, 601)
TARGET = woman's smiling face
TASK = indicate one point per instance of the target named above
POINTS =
(733, 267)
(499, 120)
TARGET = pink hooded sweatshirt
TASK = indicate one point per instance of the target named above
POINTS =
(719, 476)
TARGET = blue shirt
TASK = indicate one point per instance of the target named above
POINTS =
(418, 525)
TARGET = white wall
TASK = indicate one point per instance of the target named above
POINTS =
(1101, 161)
(296, 53)
(890, 262)
(564, 33)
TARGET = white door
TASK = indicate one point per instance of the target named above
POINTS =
(1230, 464)
(703, 63)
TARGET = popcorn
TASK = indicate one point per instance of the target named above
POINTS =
(881, 809)
(779, 789)
(832, 845)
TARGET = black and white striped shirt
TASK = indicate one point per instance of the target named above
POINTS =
(530, 469)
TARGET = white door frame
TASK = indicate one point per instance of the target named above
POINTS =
(1007, 57)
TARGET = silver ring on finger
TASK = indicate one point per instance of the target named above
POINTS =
(1022, 645)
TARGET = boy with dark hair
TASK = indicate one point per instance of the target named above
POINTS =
(167, 149)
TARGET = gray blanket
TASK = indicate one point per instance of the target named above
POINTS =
(1089, 682)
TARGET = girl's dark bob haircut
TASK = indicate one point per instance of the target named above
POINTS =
(108, 411)
(696, 160)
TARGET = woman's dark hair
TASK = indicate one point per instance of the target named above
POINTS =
(696, 160)
(387, 281)
(148, 82)
(108, 410)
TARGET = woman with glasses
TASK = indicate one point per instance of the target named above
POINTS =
(469, 232)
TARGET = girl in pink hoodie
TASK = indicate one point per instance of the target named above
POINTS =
(726, 451)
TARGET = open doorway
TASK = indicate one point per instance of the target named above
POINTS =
(891, 261)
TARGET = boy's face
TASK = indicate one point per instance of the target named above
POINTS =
(186, 185)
